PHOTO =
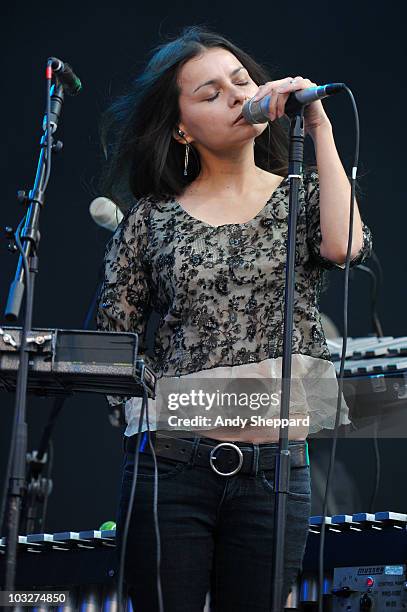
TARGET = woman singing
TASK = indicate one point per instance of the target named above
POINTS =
(203, 243)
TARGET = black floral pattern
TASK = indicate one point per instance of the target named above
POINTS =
(219, 291)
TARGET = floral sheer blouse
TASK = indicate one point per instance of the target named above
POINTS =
(219, 291)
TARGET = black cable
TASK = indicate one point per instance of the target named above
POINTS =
(14, 426)
(377, 327)
(155, 512)
(46, 446)
(93, 301)
(380, 284)
(379, 266)
(376, 324)
(377, 465)
(343, 355)
(50, 451)
(144, 406)
(379, 332)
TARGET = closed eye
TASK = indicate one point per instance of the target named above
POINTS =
(214, 97)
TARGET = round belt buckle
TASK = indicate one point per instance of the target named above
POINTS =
(212, 459)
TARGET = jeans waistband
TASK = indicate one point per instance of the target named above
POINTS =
(224, 458)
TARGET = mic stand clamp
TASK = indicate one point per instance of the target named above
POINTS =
(38, 490)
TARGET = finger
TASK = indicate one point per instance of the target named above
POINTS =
(276, 105)
(292, 85)
(272, 103)
(271, 111)
(281, 102)
(282, 94)
(269, 87)
(296, 84)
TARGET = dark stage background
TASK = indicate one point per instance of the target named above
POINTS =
(359, 43)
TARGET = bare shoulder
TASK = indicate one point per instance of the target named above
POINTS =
(270, 179)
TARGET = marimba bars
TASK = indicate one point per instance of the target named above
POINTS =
(84, 563)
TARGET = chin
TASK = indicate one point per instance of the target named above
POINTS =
(261, 127)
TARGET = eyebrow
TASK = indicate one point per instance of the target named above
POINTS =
(212, 81)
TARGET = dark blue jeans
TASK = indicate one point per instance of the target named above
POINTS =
(216, 534)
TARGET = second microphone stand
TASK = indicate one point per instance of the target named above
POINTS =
(26, 272)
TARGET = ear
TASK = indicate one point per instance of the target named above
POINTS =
(181, 138)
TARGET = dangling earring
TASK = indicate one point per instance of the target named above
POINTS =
(186, 159)
(181, 133)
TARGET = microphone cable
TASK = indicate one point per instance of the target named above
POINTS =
(375, 284)
(343, 355)
(376, 323)
(130, 509)
(376, 281)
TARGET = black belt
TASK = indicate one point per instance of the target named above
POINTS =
(225, 458)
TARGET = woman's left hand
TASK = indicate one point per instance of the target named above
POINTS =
(314, 113)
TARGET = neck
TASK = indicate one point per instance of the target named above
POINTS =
(228, 173)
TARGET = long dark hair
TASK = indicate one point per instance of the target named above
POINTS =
(142, 156)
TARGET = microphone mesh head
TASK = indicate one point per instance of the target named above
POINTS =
(105, 213)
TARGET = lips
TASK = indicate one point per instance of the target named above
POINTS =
(237, 118)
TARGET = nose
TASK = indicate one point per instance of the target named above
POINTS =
(240, 97)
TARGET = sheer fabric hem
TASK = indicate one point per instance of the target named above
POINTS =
(313, 392)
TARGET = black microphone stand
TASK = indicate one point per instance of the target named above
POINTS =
(27, 269)
(282, 470)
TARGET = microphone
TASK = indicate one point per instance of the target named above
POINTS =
(65, 75)
(257, 112)
(105, 213)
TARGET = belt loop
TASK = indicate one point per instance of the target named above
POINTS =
(255, 464)
(195, 449)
